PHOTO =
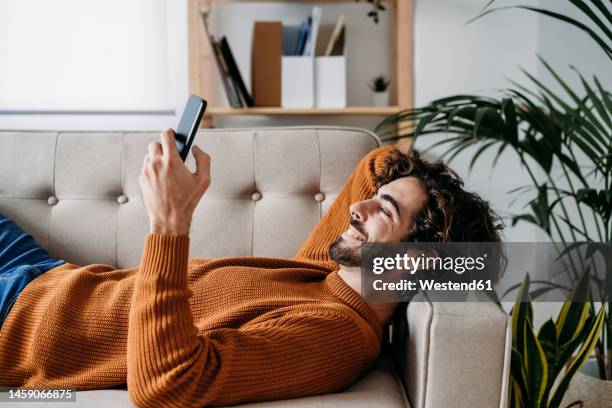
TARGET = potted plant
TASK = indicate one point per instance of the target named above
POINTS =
(550, 131)
(376, 7)
(380, 90)
(543, 364)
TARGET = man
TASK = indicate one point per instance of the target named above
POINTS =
(224, 331)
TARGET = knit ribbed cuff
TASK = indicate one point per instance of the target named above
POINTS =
(165, 259)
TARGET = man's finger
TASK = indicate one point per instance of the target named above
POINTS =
(202, 163)
(155, 149)
(168, 143)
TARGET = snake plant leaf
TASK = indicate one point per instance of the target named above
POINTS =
(536, 367)
(566, 350)
(583, 354)
(515, 393)
(575, 310)
(548, 339)
(519, 376)
(521, 311)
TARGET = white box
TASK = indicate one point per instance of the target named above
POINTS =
(330, 82)
(297, 82)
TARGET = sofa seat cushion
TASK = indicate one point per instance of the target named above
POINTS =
(380, 387)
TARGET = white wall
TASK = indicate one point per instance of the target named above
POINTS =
(452, 58)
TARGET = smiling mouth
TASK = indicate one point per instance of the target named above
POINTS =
(355, 234)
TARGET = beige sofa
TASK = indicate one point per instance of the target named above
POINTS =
(77, 194)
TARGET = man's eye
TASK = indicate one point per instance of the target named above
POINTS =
(382, 210)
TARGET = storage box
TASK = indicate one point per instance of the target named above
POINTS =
(297, 84)
(330, 82)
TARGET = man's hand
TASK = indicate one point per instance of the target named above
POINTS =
(169, 191)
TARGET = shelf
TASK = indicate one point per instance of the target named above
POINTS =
(350, 110)
(203, 75)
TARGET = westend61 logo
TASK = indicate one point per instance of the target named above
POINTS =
(413, 264)
(463, 271)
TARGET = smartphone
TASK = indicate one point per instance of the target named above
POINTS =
(188, 126)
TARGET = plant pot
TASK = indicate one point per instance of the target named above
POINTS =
(592, 391)
(381, 98)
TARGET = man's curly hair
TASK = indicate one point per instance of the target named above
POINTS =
(451, 214)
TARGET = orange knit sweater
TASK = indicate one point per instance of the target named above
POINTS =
(199, 332)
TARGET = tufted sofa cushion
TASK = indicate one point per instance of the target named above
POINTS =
(77, 192)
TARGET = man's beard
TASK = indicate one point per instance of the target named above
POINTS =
(347, 255)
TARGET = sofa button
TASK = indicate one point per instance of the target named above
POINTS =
(256, 196)
(122, 199)
(52, 200)
(319, 197)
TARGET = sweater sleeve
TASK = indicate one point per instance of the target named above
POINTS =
(359, 186)
(299, 353)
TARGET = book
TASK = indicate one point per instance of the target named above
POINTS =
(311, 42)
(228, 85)
(266, 54)
(234, 72)
(302, 36)
(290, 39)
(335, 46)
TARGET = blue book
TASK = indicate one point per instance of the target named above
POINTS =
(303, 36)
(290, 39)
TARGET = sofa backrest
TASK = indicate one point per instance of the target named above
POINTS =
(77, 193)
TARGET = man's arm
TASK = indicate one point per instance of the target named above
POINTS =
(360, 185)
(303, 351)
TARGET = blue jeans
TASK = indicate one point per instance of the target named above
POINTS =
(21, 261)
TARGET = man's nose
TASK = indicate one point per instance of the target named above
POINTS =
(360, 211)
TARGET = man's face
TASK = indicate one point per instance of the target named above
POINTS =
(386, 217)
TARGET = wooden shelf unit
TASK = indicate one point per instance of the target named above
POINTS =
(202, 64)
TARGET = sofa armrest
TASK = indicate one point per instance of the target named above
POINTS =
(454, 353)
